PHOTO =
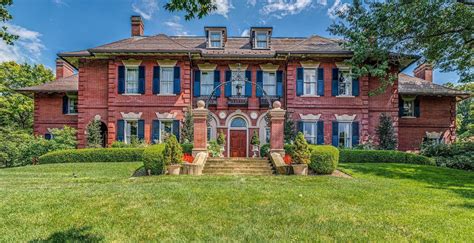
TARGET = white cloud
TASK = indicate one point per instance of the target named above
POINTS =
(336, 8)
(60, 2)
(27, 48)
(281, 8)
(322, 2)
(252, 2)
(245, 33)
(145, 8)
(223, 7)
(176, 27)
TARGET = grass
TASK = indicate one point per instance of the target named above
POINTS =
(384, 202)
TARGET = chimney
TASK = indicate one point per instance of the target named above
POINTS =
(424, 71)
(137, 25)
(63, 69)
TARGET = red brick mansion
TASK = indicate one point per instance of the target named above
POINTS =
(141, 86)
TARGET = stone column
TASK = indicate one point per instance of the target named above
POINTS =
(200, 128)
(277, 124)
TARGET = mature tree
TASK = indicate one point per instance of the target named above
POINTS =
(192, 8)
(464, 112)
(4, 17)
(386, 133)
(16, 110)
(441, 32)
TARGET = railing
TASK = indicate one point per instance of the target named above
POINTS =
(264, 100)
(237, 101)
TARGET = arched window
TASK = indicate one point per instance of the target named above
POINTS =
(238, 122)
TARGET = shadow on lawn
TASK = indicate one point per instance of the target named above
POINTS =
(460, 182)
(72, 235)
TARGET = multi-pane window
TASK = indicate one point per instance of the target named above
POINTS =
(345, 83)
(309, 81)
(131, 130)
(261, 39)
(215, 39)
(345, 134)
(408, 107)
(238, 87)
(269, 83)
(166, 129)
(72, 105)
(310, 132)
(131, 80)
(207, 83)
(166, 82)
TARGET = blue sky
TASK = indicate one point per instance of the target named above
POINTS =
(47, 27)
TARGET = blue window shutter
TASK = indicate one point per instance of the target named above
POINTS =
(121, 80)
(335, 79)
(176, 128)
(355, 87)
(155, 131)
(141, 79)
(300, 126)
(355, 133)
(177, 80)
(417, 107)
(400, 106)
(197, 83)
(248, 86)
(299, 81)
(141, 129)
(259, 83)
(217, 82)
(65, 104)
(156, 80)
(320, 81)
(228, 85)
(120, 130)
(48, 136)
(320, 132)
(335, 134)
(279, 83)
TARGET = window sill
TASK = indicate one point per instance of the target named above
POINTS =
(71, 114)
(165, 94)
(409, 117)
(131, 94)
(345, 96)
(307, 95)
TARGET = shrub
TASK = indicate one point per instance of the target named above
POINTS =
(382, 156)
(187, 130)
(221, 139)
(456, 155)
(134, 143)
(94, 136)
(289, 149)
(153, 159)
(93, 155)
(301, 153)
(255, 141)
(386, 133)
(173, 153)
(214, 148)
(324, 158)
(265, 150)
(187, 148)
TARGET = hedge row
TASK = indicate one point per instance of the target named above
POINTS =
(153, 159)
(382, 156)
(324, 158)
(93, 155)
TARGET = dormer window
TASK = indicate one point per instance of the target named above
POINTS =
(215, 39)
(261, 40)
(260, 37)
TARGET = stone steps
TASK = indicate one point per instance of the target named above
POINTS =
(237, 166)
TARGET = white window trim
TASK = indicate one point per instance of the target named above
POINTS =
(412, 100)
(315, 130)
(211, 73)
(160, 139)
(69, 104)
(274, 81)
(138, 79)
(125, 140)
(350, 132)
(161, 81)
(267, 40)
(220, 38)
(315, 82)
(347, 71)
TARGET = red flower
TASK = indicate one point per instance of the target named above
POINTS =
(287, 159)
(188, 158)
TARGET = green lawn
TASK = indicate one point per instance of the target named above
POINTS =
(383, 202)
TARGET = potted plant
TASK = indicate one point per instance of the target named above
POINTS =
(173, 155)
(255, 144)
(300, 156)
(221, 142)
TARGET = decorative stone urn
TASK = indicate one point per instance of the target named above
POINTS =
(174, 169)
(300, 169)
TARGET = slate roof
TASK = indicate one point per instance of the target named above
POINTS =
(67, 84)
(409, 85)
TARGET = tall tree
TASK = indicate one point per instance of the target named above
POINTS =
(5, 16)
(192, 8)
(16, 110)
(440, 31)
(187, 131)
(386, 133)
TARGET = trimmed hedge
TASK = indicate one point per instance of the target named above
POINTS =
(153, 159)
(382, 156)
(324, 158)
(264, 150)
(93, 155)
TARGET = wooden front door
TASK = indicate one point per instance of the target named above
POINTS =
(238, 143)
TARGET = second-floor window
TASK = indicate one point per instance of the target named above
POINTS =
(215, 39)
(309, 82)
(72, 105)
(238, 87)
(207, 83)
(261, 39)
(269, 83)
(166, 82)
(131, 80)
(345, 83)
(408, 108)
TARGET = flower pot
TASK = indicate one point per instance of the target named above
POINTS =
(174, 169)
(300, 169)
(255, 150)
(222, 151)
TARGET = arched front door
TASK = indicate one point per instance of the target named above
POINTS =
(237, 138)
